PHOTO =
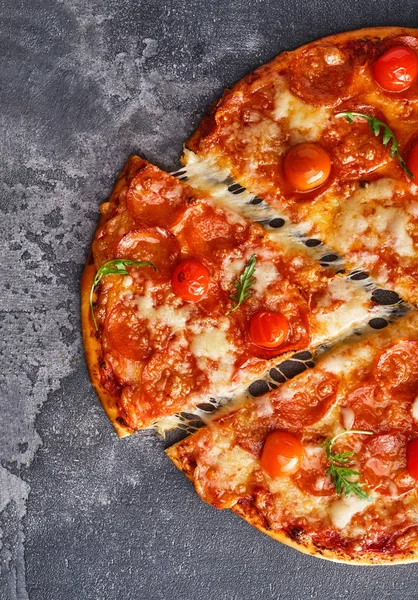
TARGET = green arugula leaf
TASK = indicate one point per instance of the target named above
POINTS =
(243, 284)
(114, 267)
(388, 136)
(339, 470)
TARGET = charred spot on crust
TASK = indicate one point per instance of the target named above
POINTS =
(378, 323)
(258, 388)
(290, 368)
(108, 379)
(329, 258)
(122, 422)
(277, 222)
(206, 407)
(236, 188)
(358, 275)
(312, 243)
(304, 355)
(277, 376)
(386, 297)
(296, 533)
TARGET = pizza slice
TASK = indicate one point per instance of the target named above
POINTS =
(184, 299)
(328, 462)
(327, 134)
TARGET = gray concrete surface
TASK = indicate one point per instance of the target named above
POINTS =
(83, 84)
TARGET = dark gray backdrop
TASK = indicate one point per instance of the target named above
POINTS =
(83, 84)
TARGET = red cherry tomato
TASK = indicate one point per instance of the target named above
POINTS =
(306, 166)
(412, 161)
(268, 329)
(397, 69)
(282, 454)
(412, 458)
(190, 280)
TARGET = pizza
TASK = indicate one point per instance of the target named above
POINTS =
(269, 461)
(268, 287)
(323, 134)
(163, 337)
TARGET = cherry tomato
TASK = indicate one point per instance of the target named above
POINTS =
(306, 166)
(268, 329)
(412, 161)
(412, 458)
(397, 69)
(282, 454)
(190, 280)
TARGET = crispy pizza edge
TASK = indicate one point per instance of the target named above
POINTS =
(92, 338)
(253, 518)
(93, 352)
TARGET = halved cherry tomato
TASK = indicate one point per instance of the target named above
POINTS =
(412, 458)
(190, 280)
(412, 161)
(306, 166)
(268, 329)
(397, 69)
(282, 454)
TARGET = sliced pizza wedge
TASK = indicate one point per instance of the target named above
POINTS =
(328, 462)
(184, 299)
(328, 135)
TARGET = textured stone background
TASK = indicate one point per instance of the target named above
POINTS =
(83, 84)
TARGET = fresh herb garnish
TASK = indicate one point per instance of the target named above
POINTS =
(339, 470)
(388, 135)
(114, 267)
(243, 284)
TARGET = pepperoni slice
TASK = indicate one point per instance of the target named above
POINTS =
(396, 369)
(383, 464)
(156, 198)
(374, 411)
(208, 232)
(107, 238)
(153, 244)
(321, 74)
(306, 400)
(311, 477)
(170, 376)
(355, 150)
(127, 333)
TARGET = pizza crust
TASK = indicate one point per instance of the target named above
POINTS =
(93, 352)
(91, 338)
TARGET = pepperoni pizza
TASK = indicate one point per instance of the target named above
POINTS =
(193, 300)
(198, 284)
(270, 461)
(323, 133)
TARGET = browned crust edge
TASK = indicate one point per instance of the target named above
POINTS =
(93, 351)
(92, 338)
(278, 61)
(252, 517)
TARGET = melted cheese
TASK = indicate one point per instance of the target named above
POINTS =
(366, 214)
(265, 274)
(342, 511)
(414, 409)
(175, 317)
(351, 311)
(305, 122)
(210, 343)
